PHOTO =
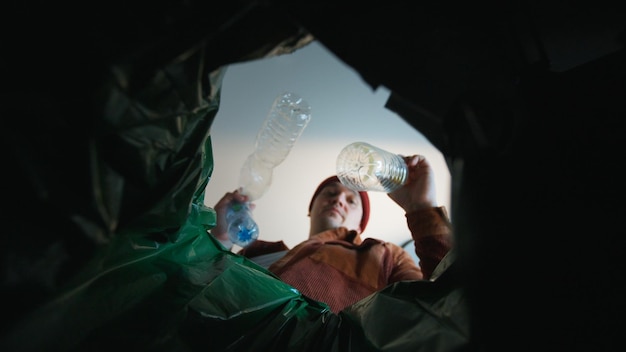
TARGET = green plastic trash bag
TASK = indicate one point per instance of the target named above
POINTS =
(107, 245)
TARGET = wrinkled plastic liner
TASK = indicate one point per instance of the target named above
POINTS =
(157, 281)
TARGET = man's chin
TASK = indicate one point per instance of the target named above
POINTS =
(333, 221)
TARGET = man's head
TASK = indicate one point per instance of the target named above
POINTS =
(335, 205)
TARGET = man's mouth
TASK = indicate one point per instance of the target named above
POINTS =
(335, 211)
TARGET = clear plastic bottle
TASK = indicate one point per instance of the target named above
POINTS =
(364, 167)
(284, 124)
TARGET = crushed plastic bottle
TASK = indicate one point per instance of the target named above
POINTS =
(284, 124)
(242, 229)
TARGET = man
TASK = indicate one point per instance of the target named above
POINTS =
(334, 265)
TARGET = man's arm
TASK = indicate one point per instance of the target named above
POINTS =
(429, 224)
(432, 232)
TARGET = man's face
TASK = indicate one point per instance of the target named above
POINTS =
(337, 206)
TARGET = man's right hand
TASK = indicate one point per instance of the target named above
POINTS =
(220, 231)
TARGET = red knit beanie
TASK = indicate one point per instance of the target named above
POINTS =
(365, 199)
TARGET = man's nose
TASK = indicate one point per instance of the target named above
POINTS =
(341, 198)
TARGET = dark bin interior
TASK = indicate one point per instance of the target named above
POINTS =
(107, 112)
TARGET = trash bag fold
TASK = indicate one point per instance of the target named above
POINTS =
(130, 261)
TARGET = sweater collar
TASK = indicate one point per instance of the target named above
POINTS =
(339, 234)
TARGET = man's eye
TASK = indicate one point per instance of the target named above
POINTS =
(352, 201)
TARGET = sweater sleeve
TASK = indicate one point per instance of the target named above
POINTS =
(404, 267)
(432, 232)
(260, 247)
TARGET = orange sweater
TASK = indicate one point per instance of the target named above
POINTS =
(338, 268)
